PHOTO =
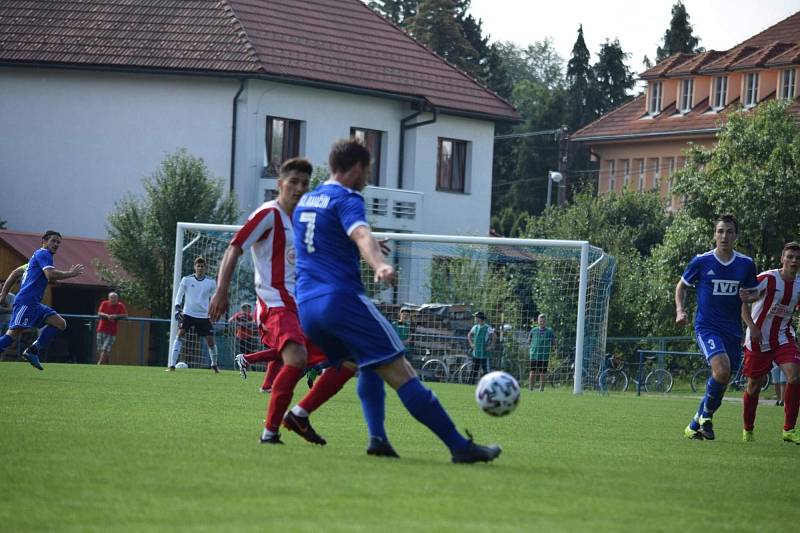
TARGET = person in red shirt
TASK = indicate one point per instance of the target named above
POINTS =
(246, 329)
(110, 311)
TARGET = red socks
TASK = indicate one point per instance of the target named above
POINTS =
(749, 411)
(329, 383)
(272, 372)
(791, 402)
(263, 356)
(281, 396)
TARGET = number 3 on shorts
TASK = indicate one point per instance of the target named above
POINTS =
(711, 344)
(310, 218)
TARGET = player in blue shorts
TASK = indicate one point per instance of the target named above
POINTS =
(724, 279)
(28, 311)
(331, 232)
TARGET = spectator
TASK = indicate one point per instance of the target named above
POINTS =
(110, 311)
(246, 329)
(403, 326)
(779, 380)
(541, 342)
(480, 338)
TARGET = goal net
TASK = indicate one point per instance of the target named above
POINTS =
(443, 281)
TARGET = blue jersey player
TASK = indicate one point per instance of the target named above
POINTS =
(28, 311)
(331, 234)
(724, 279)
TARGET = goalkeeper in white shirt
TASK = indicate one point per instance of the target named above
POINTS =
(192, 314)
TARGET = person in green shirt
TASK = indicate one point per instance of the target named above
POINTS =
(542, 342)
(480, 338)
(403, 326)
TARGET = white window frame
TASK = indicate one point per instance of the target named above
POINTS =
(788, 83)
(654, 98)
(626, 173)
(641, 175)
(750, 89)
(657, 174)
(670, 171)
(612, 175)
(687, 95)
(720, 92)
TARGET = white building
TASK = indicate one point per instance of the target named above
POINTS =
(94, 94)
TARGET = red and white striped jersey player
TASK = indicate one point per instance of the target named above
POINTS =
(771, 337)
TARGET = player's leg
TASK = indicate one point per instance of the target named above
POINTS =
(53, 325)
(532, 374)
(756, 366)
(789, 361)
(177, 347)
(372, 393)
(542, 372)
(10, 336)
(294, 362)
(273, 367)
(714, 348)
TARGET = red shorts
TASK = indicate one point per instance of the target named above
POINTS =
(757, 364)
(280, 326)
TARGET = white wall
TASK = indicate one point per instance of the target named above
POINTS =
(72, 143)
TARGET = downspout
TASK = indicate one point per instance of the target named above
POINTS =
(405, 126)
(233, 135)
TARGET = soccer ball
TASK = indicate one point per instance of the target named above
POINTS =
(181, 365)
(497, 393)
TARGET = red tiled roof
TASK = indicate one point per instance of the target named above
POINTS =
(787, 30)
(726, 61)
(693, 65)
(789, 57)
(665, 65)
(339, 42)
(73, 250)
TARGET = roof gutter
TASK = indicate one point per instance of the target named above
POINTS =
(404, 125)
(233, 134)
(644, 135)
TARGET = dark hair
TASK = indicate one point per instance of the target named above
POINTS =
(49, 233)
(347, 153)
(728, 218)
(199, 259)
(793, 245)
(297, 164)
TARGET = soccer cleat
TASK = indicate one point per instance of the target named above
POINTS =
(170, 369)
(302, 426)
(215, 368)
(694, 434)
(265, 390)
(747, 435)
(272, 439)
(779, 403)
(241, 364)
(793, 435)
(32, 358)
(380, 448)
(474, 453)
(706, 428)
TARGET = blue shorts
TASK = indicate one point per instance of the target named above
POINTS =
(29, 316)
(349, 327)
(711, 344)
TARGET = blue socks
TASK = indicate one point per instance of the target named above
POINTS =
(425, 407)
(6, 341)
(711, 401)
(47, 334)
(373, 402)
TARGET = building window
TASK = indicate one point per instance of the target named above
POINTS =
(687, 95)
(751, 89)
(670, 168)
(372, 140)
(641, 175)
(612, 176)
(720, 92)
(656, 175)
(654, 102)
(283, 142)
(451, 170)
(788, 83)
(626, 173)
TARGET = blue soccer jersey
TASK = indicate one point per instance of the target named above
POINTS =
(34, 282)
(718, 283)
(327, 259)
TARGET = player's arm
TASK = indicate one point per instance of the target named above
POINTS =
(755, 331)
(13, 278)
(55, 275)
(220, 302)
(371, 252)
(680, 303)
(179, 299)
(470, 339)
(101, 313)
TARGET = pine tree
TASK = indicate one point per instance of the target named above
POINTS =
(397, 11)
(678, 37)
(580, 85)
(436, 25)
(613, 77)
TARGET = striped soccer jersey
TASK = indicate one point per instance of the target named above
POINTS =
(269, 235)
(773, 311)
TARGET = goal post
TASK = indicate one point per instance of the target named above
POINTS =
(443, 281)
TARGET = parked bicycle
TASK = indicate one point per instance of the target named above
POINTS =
(738, 380)
(613, 377)
(563, 376)
(446, 369)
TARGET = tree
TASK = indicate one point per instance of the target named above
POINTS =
(397, 11)
(142, 229)
(580, 85)
(678, 37)
(436, 25)
(613, 78)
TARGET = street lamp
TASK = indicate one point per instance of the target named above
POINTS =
(552, 177)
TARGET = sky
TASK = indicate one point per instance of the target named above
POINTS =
(639, 25)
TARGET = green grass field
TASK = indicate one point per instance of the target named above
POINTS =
(88, 448)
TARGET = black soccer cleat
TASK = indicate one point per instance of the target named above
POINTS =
(380, 448)
(302, 426)
(274, 439)
(475, 453)
(706, 428)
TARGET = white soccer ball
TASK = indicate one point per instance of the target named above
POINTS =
(181, 365)
(497, 393)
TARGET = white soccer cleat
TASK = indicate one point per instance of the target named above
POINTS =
(241, 364)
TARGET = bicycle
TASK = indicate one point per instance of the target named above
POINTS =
(448, 368)
(737, 382)
(563, 376)
(613, 377)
